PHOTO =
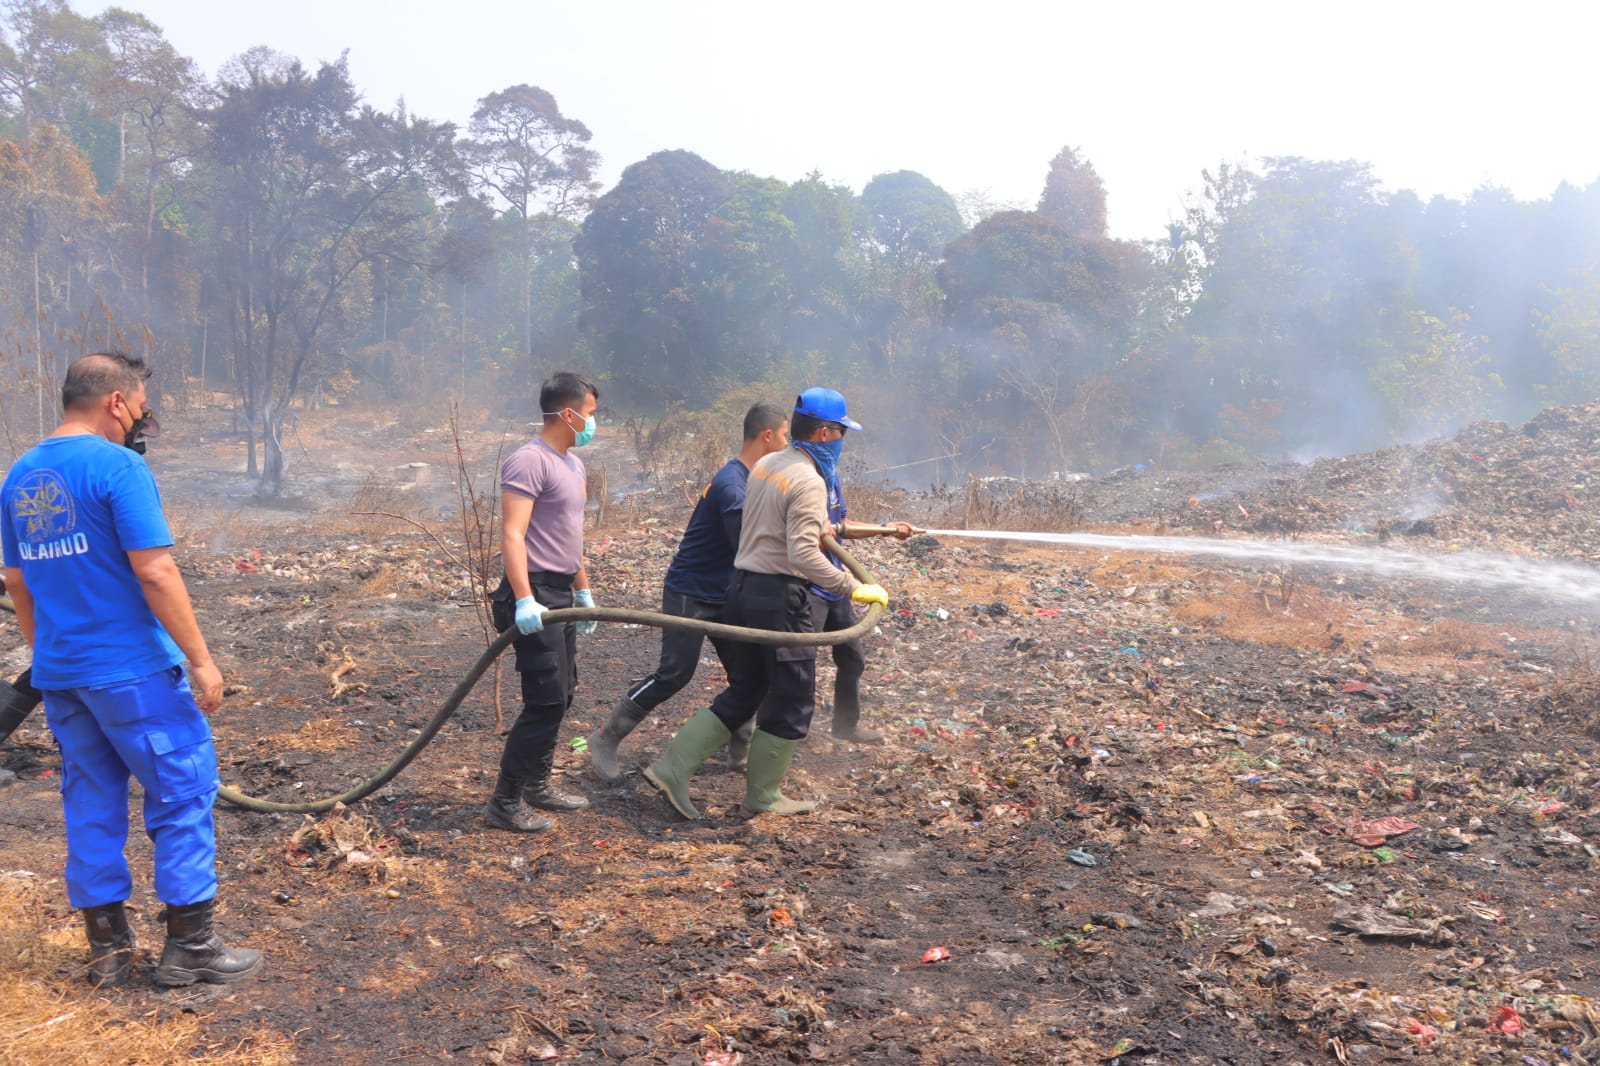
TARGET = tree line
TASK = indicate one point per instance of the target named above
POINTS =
(275, 236)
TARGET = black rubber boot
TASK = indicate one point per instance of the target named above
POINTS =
(739, 747)
(625, 718)
(505, 809)
(110, 945)
(195, 952)
(17, 700)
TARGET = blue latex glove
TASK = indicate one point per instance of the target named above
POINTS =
(530, 615)
(585, 598)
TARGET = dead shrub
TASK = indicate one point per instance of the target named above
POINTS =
(683, 445)
(386, 579)
(1454, 638)
(1576, 689)
(346, 842)
(374, 507)
(1024, 506)
(876, 503)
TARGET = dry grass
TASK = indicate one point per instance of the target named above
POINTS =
(319, 734)
(50, 1017)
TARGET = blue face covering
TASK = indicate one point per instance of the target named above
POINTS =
(826, 455)
(580, 437)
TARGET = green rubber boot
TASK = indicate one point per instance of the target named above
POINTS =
(701, 735)
(769, 761)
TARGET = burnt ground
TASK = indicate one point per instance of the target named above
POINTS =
(1123, 792)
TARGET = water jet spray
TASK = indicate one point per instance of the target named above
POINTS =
(1565, 581)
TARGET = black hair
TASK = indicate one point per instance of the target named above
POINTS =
(804, 426)
(100, 374)
(563, 390)
(762, 417)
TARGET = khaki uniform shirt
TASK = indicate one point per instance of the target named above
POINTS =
(785, 515)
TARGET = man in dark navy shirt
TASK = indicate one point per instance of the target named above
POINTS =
(696, 586)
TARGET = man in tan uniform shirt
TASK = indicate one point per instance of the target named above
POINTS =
(780, 557)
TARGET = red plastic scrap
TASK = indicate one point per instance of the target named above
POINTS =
(936, 954)
(1421, 1030)
(1373, 832)
(1506, 1020)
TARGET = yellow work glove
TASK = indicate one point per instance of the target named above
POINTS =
(870, 594)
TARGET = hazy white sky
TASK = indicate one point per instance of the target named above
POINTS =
(1439, 97)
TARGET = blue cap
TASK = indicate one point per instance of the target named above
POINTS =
(825, 405)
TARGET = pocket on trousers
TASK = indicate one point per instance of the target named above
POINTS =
(798, 615)
(502, 606)
(185, 763)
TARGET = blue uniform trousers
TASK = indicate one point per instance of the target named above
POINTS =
(150, 728)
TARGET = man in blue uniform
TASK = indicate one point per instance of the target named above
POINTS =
(696, 586)
(98, 596)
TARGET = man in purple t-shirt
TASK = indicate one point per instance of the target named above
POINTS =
(542, 493)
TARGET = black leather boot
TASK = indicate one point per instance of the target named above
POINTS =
(536, 791)
(110, 945)
(195, 952)
(17, 700)
(505, 809)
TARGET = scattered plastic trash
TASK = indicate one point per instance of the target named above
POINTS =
(1424, 1032)
(1220, 905)
(1370, 921)
(1082, 858)
(1115, 920)
(936, 954)
(580, 743)
(1385, 854)
(1506, 1020)
(1380, 693)
(1374, 831)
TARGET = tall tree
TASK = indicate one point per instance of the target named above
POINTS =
(1043, 315)
(1074, 195)
(913, 218)
(538, 161)
(148, 91)
(307, 190)
(50, 60)
(644, 263)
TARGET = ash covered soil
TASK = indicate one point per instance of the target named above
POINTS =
(1154, 809)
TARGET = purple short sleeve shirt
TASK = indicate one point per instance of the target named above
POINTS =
(557, 485)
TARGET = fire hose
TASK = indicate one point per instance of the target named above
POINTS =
(453, 702)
